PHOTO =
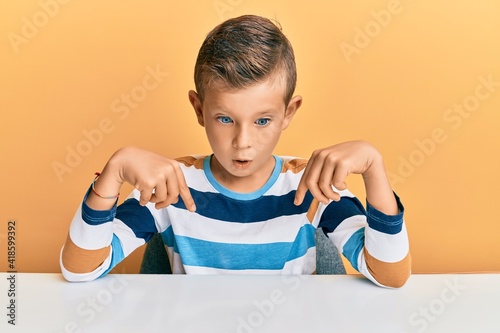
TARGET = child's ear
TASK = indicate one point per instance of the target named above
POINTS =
(194, 99)
(291, 109)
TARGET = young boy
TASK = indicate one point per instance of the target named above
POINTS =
(241, 209)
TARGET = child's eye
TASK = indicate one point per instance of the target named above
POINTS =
(262, 121)
(224, 119)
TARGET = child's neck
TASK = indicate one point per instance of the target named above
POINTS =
(247, 184)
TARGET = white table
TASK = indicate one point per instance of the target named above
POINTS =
(252, 304)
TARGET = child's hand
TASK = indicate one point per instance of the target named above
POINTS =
(160, 180)
(331, 166)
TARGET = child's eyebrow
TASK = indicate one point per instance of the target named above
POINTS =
(220, 109)
(267, 111)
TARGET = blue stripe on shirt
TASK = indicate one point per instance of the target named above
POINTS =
(388, 224)
(96, 217)
(268, 256)
(338, 211)
(353, 246)
(138, 218)
(169, 238)
(116, 255)
(219, 207)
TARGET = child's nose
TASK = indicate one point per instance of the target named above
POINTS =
(243, 138)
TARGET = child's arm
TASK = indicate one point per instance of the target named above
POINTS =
(88, 251)
(331, 166)
(159, 179)
(382, 254)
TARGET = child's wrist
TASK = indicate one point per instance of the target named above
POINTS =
(378, 189)
(376, 168)
(105, 189)
(109, 197)
(102, 196)
(115, 166)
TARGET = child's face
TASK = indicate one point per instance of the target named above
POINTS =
(243, 127)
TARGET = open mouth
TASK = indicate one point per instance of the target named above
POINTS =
(241, 164)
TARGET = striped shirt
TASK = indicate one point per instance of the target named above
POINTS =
(262, 232)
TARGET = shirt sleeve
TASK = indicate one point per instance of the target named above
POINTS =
(374, 243)
(116, 233)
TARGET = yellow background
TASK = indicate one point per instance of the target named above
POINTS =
(408, 76)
